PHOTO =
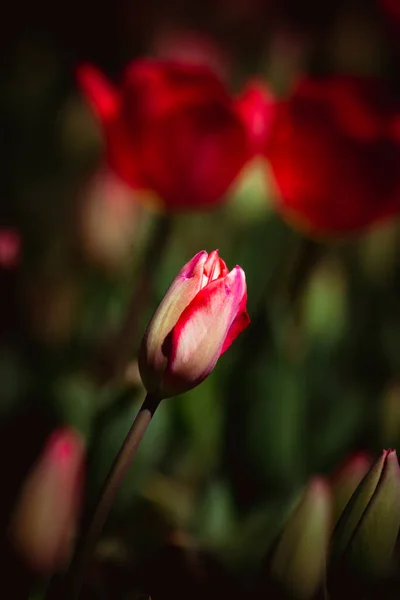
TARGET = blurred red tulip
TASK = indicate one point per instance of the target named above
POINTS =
(256, 107)
(171, 128)
(334, 152)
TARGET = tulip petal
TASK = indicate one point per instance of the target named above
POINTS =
(102, 96)
(200, 333)
(242, 320)
(179, 295)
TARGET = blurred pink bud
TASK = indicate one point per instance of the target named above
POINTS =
(45, 518)
(108, 220)
(346, 479)
(201, 314)
(10, 248)
(256, 107)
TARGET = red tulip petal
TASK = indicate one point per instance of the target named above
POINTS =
(256, 106)
(102, 96)
(242, 320)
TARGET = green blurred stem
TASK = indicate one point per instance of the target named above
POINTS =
(75, 576)
(127, 339)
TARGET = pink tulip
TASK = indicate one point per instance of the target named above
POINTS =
(201, 314)
(46, 513)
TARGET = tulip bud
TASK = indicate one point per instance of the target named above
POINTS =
(46, 513)
(367, 531)
(346, 480)
(201, 314)
(300, 557)
(10, 248)
(109, 218)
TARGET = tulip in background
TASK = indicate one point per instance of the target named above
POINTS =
(10, 248)
(170, 128)
(346, 479)
(109, 221)
(299, 560)
(366, 533)
(46, 514)
(334, 153)
(256, 106)
(201, 314)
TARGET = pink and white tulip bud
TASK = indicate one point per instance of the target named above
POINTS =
(45, 518)
(201, 314)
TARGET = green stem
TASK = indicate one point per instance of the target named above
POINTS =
(75, 576)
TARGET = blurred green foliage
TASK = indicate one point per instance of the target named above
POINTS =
(314, 378)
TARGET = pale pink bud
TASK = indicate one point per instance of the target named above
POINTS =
(46, 514)
(201, 314)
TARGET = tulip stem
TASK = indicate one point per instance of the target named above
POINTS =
(75, 576)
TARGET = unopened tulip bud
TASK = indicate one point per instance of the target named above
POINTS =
(367, 531)
(346, 480)
(300, 557)
(201, 314)
(45, 518)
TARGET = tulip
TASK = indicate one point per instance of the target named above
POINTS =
(201, 314)
(109, 218)
(10, 248)
(346, 479)
(367, 530)
(334, 154)
(45, 518)
(255, 106)
(171, 128)
(300, 557)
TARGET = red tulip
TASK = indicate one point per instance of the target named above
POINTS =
(256, 105)
(46, 513)
(171, 128)
(334, 154)
(201, 314)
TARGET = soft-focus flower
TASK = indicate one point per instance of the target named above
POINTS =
(335, 155)
(367, 531)
(10, 248)
(300, 557)
(109, 218)
(201, 314)
(45, 518)
(346, 479)
(170, 128)
(256, 105)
